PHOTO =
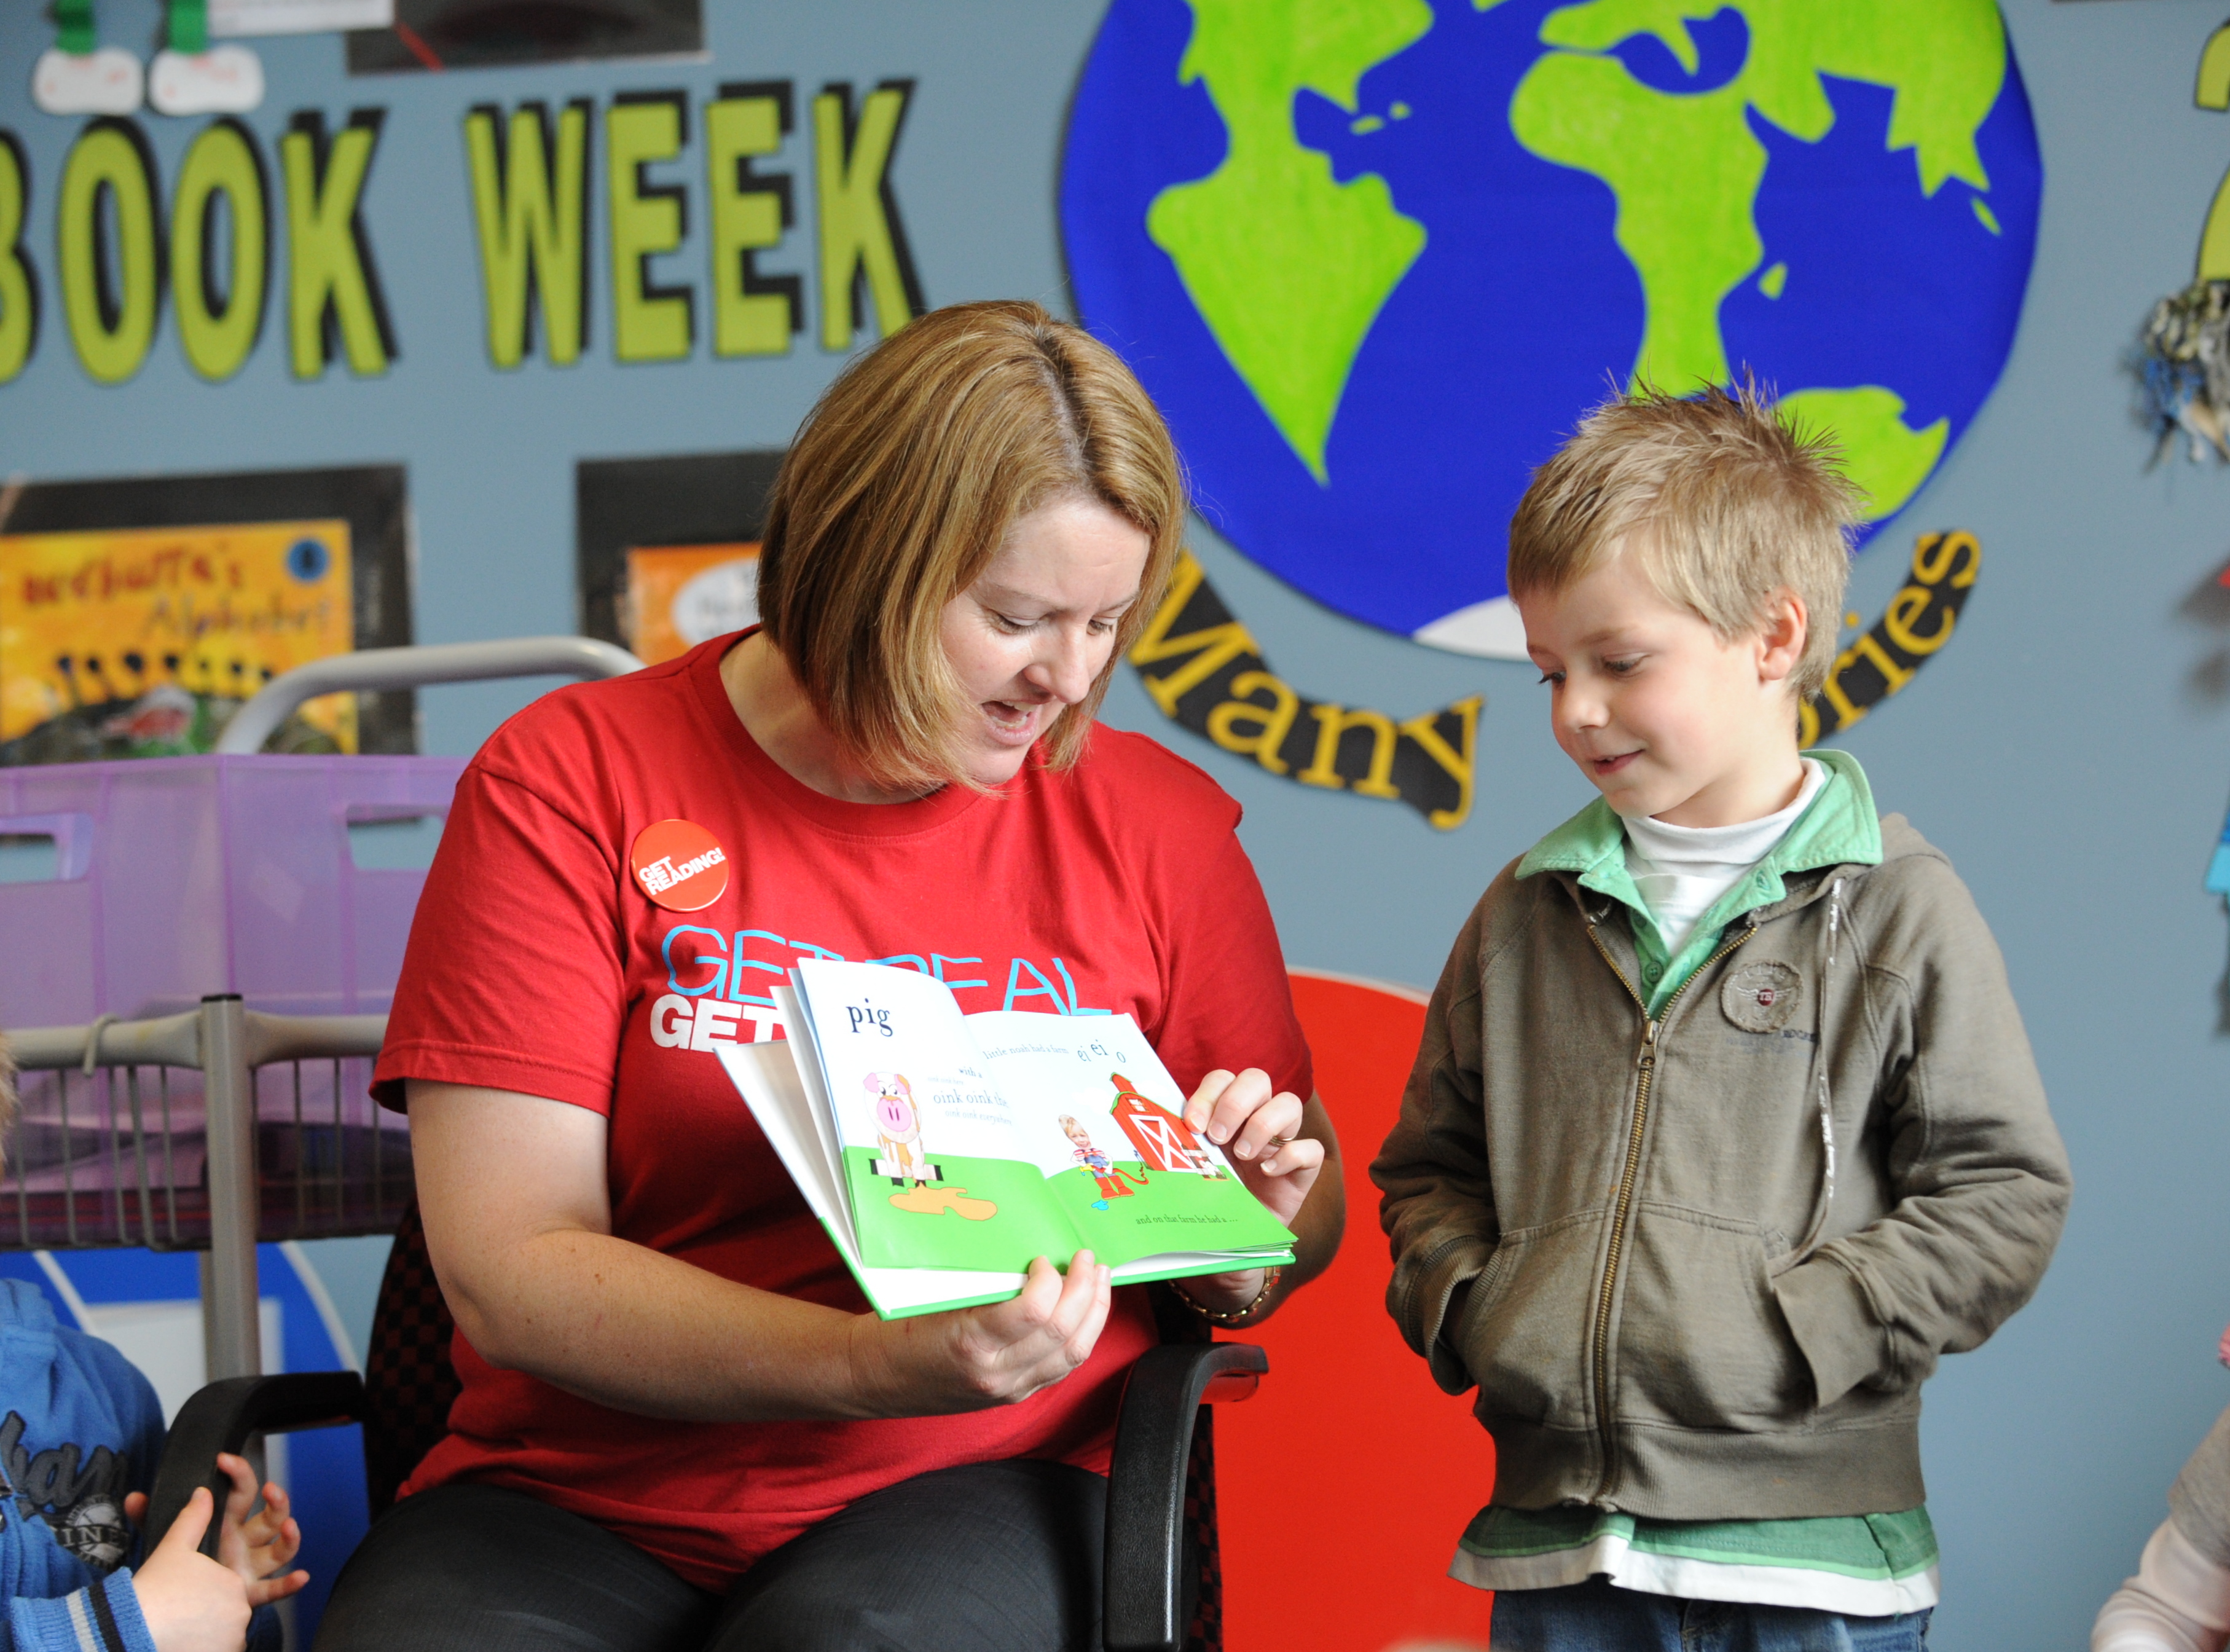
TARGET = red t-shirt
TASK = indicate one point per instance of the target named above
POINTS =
(537, 964)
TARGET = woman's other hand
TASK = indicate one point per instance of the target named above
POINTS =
(1263, 1134)
(1280, 1146)
(1000, 1354)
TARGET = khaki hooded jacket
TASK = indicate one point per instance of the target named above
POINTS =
(1714, 1251)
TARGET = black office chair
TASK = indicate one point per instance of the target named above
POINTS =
(1164, 1588)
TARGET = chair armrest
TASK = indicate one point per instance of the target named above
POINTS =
(222, 1417)
(1146, 1484)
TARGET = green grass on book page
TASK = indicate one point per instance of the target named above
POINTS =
(1163, 1210)
(991, 1213)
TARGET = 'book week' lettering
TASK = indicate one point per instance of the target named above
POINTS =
(119, 261)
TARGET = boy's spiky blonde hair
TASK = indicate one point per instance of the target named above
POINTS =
(1722, 501)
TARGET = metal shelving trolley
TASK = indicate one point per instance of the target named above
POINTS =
(222, 970)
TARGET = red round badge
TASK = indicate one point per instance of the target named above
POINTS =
(680, 865)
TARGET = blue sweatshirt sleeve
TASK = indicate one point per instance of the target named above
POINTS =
(102, 1617)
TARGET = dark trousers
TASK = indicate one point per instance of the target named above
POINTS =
(1003, 1556)
(1598, 1617)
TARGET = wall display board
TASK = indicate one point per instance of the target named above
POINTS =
(137, 615)
(1371, 259)
(666, 549)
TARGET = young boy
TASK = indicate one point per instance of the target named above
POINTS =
(79, 1426)
(1725, 1127)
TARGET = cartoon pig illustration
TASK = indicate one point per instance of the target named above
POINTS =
(898, 1126)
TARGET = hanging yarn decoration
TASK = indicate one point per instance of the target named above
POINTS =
(2185, 368)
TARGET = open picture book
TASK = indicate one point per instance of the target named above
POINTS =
(942, 1151)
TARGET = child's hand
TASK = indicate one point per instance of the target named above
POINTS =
(257, 1546)
(191, 1603)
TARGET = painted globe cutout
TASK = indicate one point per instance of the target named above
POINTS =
(1374, 257)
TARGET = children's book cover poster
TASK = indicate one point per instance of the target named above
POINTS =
(678, 595)
(138, 613)
(143, 641)
(666, 548)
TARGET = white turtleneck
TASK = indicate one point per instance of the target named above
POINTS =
(1681, 870)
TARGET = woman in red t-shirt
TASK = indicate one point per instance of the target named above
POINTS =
(678, 1427)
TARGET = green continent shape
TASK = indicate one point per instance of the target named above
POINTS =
(1685, 167)
(1883, 455)
(1288, 267)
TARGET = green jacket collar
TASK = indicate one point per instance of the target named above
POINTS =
(1840, 828)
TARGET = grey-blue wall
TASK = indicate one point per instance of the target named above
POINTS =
(2068, 750)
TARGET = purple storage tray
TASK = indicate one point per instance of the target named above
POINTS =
(184, 876)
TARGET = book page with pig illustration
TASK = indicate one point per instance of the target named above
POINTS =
(969, 1145)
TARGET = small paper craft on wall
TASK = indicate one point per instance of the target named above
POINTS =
(189, 76)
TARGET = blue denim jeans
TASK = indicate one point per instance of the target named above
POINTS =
(1598, 1617)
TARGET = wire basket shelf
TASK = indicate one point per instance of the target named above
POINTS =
(116, 1149)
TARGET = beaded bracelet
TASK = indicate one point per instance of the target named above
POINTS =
(1231, 1316)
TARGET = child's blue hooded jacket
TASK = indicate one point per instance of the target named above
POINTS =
(78, 1428)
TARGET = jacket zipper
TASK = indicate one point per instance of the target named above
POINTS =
(1646, 1072)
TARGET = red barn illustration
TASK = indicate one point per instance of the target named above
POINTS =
(1164, 1141)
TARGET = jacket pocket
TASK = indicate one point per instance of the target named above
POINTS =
(1702, 1342)
(1524, 1330)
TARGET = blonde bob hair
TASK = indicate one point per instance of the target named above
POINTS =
(1722, 501)
(903, 483)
